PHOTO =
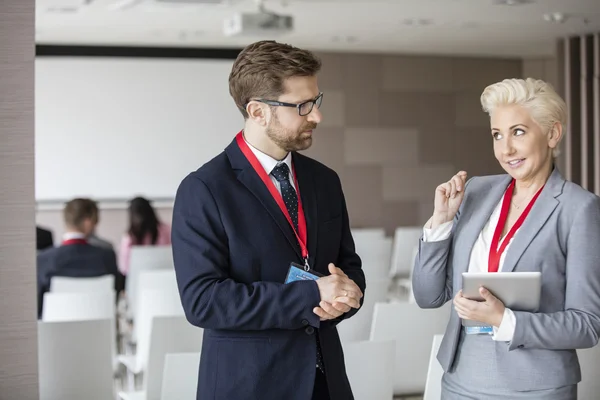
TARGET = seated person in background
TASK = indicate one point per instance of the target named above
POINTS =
(44, 238)
(94, 239)
(145, 229)
(75, 257)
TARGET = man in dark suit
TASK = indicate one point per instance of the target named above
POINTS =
(75, 257)
(239, 223)
(44, 238)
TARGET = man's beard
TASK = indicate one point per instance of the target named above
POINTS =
(288, 140)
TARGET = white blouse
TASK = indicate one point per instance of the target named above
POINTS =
(479, 262)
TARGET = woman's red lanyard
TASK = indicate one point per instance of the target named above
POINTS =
(495, 252)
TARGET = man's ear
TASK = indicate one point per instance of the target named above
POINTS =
(258, 113)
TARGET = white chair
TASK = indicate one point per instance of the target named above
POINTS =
(75, 360)
(433, 384)
(159, 279)
(144, 258)
(358, 234)
(180, 376)
(375, 254)
(589, 360)
(412, 328)
(370, 369)
(74, 306)
(168, 335)
(153, 303)
(62, 284)
(405, 240)
(358, 327)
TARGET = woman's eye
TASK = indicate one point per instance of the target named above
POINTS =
(497, 135)
(519, 131)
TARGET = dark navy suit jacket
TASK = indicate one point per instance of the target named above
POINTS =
(232, 248)
(77, 261)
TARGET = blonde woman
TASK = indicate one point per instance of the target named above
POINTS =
(529, 219)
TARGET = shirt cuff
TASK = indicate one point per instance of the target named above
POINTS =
(439, 233)
(506, 331)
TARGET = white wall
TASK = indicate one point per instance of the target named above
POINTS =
(112, 128)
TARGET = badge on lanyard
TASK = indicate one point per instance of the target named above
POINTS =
(299, 273)
(479, 330)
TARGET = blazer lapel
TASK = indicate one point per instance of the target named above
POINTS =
(308, 195)
(252, 181)
(539, 214)
(485, 204)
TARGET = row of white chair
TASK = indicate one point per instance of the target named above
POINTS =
(385, 257)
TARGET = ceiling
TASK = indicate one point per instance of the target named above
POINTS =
(457, 27)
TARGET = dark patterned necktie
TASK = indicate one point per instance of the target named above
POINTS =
(290, 198)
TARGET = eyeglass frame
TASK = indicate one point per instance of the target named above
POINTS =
(297, 106)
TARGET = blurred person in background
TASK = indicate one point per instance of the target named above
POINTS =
(76, 257)
(145, 229)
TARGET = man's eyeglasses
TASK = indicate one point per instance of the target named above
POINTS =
(303, 108)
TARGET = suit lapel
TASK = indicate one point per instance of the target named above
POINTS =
(249, 178)
(539, 214)
(308, 194)
(489, 198)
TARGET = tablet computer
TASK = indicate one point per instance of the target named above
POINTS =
(519, 291)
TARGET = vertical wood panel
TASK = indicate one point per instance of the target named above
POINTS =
(18, 326)
(587, 112)
(596, 112)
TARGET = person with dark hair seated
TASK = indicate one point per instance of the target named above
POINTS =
(44, 238)
(145, 229)
(76, 257)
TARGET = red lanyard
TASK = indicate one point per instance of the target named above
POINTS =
(301, 234)
(495, 252)
(74, 241)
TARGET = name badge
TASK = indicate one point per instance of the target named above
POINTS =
(479, 330)
(297, 273)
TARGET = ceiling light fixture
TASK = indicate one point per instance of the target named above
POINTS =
(417, 22)
(512, 2)
(556, 17)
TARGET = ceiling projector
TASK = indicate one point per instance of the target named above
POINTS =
(261, 24)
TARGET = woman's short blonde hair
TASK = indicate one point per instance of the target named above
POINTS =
(544, 104)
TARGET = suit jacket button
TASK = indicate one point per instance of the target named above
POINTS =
(304, 322)
(309, 330)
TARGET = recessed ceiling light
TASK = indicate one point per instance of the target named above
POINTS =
(512, 2)
(347, 39)
(556, 17)
(417, 22)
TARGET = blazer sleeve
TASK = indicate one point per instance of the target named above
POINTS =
(432, 271)
(211, 298)
(578, 326)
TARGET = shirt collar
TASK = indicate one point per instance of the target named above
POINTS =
(268, 162)
(73, 235)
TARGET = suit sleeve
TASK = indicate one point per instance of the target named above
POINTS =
(211, 298)
(432, 272)
(577, 327)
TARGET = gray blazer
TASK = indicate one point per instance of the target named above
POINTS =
(561, 238)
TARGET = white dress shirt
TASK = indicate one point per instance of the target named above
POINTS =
(269, 164)
(478, 262)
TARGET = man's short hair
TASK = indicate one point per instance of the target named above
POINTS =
(262, 67)
(78, 210)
